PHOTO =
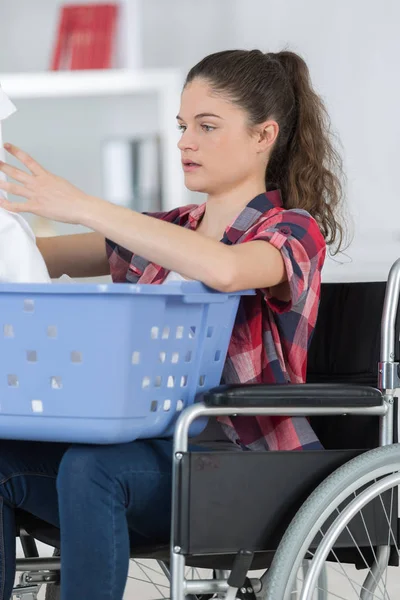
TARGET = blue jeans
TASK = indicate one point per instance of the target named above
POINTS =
(94, 494)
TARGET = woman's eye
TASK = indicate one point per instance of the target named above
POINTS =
(207, 128)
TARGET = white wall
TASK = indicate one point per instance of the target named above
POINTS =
(352, 48)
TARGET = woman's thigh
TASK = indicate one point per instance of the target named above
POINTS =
(135, 476)
(138, 475)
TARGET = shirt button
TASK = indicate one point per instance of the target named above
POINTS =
(285, 230)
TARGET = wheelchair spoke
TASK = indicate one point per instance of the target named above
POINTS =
(148, 581)
(158, 586)
(342, 572)
(145, 566)
(349, 579)
(331, 593)
(362, 555)
(321, 589)
(390, 531)
(382, 582)
(335, 595)
(391, 534)
(371, 545)
(164, 569)
(367, 532)
(378, 582)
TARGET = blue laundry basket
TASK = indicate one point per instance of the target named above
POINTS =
(107, 363)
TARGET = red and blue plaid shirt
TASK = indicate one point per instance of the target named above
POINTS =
(270, 338)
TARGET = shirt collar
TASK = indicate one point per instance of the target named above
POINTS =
(249, 215)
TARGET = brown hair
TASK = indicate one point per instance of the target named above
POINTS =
(304, 163)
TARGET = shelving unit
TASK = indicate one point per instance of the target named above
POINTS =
(116, 83)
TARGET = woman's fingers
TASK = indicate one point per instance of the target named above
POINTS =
(47, 194)
(16, 207)
(15, 173)
(14, 188)
(26, 160)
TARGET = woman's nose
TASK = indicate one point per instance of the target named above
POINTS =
(187, 141)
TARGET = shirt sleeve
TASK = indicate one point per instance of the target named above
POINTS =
(297, 235)
(119, 259)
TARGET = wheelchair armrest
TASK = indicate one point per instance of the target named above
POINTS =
(300, 395)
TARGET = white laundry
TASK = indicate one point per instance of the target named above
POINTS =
(20, 259)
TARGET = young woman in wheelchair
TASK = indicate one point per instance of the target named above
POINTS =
(255, 139)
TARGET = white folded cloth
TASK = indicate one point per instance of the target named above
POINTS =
(20, 259)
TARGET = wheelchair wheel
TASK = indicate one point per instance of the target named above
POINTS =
(338, 507)
(151, 579)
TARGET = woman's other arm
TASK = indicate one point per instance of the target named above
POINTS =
(79, 255)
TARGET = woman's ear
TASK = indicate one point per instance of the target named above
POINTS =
(267, 135)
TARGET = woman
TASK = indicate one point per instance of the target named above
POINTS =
(255, 139)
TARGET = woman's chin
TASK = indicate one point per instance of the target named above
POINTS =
(195, 186)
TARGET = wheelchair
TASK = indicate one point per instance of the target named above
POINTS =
(313, 522)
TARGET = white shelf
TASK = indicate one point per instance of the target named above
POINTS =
(60, 84)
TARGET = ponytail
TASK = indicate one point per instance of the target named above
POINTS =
(304, 164)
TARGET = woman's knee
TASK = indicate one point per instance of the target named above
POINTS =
(78, 462)
(82, 467)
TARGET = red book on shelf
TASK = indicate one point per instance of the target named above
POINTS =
(60, 49)
(105, 30)
(86, 36)
(111, 14)
(95, 59)
(80, 38)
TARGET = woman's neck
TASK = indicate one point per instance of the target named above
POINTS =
(222, 209)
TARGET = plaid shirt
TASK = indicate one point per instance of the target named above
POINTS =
(271, 337)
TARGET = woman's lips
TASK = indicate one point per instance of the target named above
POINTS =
(190, 167)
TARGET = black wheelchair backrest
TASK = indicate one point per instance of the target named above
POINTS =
(346, 349)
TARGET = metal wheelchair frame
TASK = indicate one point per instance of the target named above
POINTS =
(388, 381)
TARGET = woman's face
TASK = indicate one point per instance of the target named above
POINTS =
(217, 148)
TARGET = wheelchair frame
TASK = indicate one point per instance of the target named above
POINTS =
(38, 571)
(388, 382)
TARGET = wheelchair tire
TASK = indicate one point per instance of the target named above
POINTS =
(362, 474)
(53, 590)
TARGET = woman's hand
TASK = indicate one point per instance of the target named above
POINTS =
(47, 195)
